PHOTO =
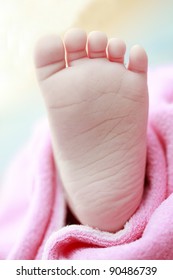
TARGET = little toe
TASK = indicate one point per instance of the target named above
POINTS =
(116, 50)
(75, 44)
(97, 43)
(49, 56)
(138, 61)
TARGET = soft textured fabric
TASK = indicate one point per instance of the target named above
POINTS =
(33, 209)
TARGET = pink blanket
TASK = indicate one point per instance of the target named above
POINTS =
(33, 210)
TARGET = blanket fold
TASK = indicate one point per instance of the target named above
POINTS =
(33, 209)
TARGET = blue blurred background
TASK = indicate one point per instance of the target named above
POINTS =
(149, 23)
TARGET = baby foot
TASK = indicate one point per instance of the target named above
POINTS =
(97, 110)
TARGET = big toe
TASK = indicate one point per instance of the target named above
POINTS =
(49, 56)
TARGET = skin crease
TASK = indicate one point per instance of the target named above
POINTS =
(97, 110)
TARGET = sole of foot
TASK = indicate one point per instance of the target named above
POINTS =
(97, 110)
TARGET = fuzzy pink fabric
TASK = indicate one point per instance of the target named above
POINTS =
(33, 210)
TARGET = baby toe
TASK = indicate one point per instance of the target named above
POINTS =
(138, 61)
